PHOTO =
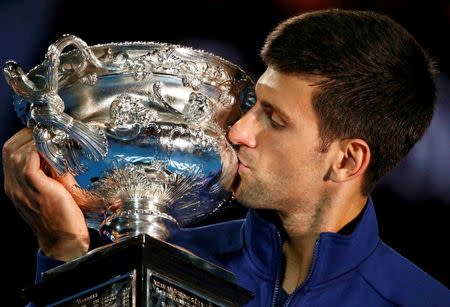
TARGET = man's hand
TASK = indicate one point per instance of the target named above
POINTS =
(44, 202)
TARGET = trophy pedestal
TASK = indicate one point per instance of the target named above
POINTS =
(139, 271)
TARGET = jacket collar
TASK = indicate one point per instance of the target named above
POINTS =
(335, 253)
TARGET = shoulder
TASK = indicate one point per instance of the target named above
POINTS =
(211, 240)
(400, 281)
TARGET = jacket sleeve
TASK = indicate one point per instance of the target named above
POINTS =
(43, 264)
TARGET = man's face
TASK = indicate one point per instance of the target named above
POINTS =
(281, 166)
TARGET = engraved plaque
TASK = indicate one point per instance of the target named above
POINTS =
(163, 292)
(118, 291)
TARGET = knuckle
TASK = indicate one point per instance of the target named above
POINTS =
(6, 150)
(28, 175)
(16, 158)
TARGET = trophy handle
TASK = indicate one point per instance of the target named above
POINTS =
(56, 132)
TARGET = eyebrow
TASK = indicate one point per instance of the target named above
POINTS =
(281, 113)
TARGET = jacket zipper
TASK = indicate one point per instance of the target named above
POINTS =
(316, 246)
(278, 277)
(277, 280)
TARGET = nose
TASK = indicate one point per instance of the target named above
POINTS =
(243, 132)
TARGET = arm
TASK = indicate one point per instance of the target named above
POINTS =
(44, 202)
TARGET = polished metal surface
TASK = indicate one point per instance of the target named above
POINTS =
(142, 126)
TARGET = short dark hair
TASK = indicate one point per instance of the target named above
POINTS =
(377, 81)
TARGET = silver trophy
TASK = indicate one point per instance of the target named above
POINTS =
(141, 126)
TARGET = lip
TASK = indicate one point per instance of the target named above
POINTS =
(242, 167)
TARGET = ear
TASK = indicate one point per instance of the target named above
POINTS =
(352, 160)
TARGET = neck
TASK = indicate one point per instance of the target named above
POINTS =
(298, 255)
(303, 231)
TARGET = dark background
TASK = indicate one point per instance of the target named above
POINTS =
(412, 203)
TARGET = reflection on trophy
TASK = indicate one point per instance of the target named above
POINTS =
(142, 127)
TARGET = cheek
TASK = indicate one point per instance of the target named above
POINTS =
(293, 167)
(281, 164)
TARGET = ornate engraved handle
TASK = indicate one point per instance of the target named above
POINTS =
(55, 132)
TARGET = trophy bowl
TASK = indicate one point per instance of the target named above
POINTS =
(141, 126)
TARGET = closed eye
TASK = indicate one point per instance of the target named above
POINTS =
(277, 118)
(271, 115)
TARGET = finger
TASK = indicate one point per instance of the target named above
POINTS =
(19, 139)
(47, 168)
(33, 174)
(83, 198)
(13, 166)
(66, 180)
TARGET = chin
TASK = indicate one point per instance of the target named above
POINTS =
(248, 200)
(239, 195)
(251, 195)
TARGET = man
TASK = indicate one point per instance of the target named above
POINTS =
(345, 96)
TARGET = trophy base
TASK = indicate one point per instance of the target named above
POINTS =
(139, 271)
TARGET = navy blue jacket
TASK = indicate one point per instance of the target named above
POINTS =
(357, 269)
